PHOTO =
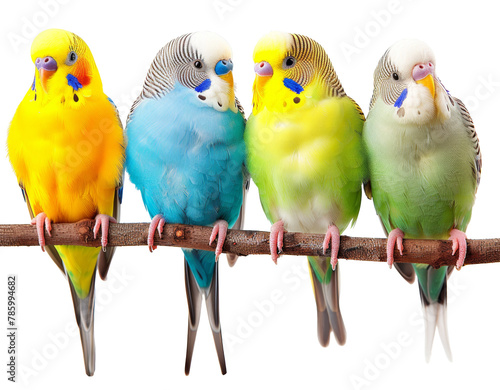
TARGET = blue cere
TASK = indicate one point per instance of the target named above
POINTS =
(223, 67)
(293, 85)
(398, 103)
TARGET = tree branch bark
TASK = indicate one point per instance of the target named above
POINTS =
(246, 242)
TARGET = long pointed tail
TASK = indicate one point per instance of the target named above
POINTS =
(84, 312)
(193, 294)
(434, 307)
(194, 298)
(326, 292)
(212, 301)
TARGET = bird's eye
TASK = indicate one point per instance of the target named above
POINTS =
(71, 59)
(289, 62)
(395, 76)
(198, 64)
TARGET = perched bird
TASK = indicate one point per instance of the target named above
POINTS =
(186, 156)
(304, 153)
(66, 146)
(424, 166)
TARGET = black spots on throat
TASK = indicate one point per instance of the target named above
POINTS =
(201, 97)
(401, 112)
(75, 97)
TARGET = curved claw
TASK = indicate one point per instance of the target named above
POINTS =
(102, 221)
(395, 237)
(220, 230)
(459, 242)
(276, 240)
(157, 222)
(332, 236)
(40, 220)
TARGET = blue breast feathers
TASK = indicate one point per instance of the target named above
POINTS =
(186, 158)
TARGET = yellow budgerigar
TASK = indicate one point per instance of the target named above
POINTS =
(66, 145)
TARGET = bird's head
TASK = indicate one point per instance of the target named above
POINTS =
(290, 69)
(200, 61)
(64, 65)
(405, 81)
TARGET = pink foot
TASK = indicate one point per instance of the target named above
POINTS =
(156, 223)
(332, 236)
(102, 221)
(276, 240)
(220, 230)
(40, 220)
(395, 236)
(459, 242)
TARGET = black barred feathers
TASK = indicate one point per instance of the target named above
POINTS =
(310, 55)
(383, 86)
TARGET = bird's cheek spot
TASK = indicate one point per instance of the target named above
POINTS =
(203, 86)
(82, 72)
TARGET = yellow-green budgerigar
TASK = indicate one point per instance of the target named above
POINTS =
(304, 153)
(424, 166)
(66, 146)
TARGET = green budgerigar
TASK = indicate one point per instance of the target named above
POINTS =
(424, 164)
(305, 156)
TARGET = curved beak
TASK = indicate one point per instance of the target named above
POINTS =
(46, 66)
(223, 69)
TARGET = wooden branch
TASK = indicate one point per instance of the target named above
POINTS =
(245, 242)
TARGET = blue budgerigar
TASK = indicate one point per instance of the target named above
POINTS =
(186, 155)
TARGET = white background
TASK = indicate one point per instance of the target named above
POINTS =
(268, 312)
